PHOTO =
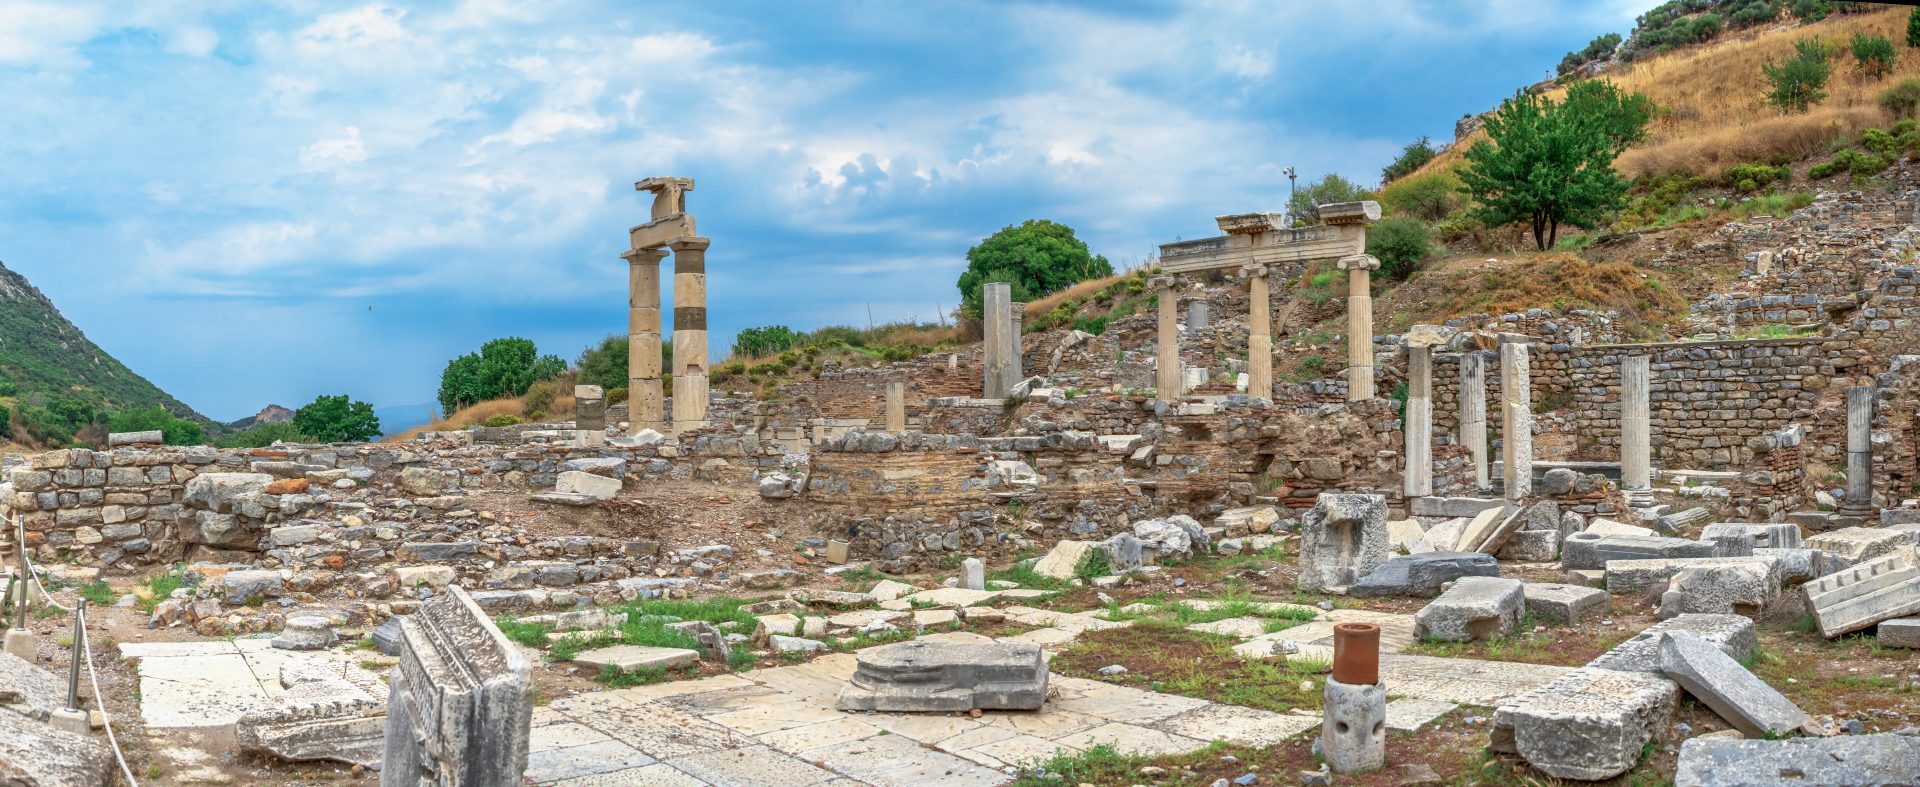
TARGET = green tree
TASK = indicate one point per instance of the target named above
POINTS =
(1902, 99)
(173, 431)
(1801, 80)
(1400, 244)
(1547, 163)
(1913, 28)
(6, 422)
(756, 342)
(1414, 156)
(1326, 191)
(605, 364)
(263, 435)
(1430, 197)
(1037, 257)
(502, 368)
(1873, 55)
(335, 419)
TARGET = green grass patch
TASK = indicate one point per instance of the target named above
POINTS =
(1102, 764)
(159, 587)
(98, 594)
(1164, 656)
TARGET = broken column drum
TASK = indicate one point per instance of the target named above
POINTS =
(1859, 451)
(646, 402)
(1166, 367)
(945, 677)
(1636, 437)
(1353, 728)
(689, 333)
(1419, 426)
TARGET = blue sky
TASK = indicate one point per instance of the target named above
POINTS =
(262, 202)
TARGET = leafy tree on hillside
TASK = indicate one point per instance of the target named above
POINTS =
(1913, 28)
(1801, 80)
(605, 364)
(1599, 48)
(6, 422)
(1037, 257)
(503, 367)
(756, 342)
(1873, 55)
(1415, 156)
(334, 419)
(1327, 190)
(1400, 244)
(1547, 163)
(1430, 197)
(173, 431)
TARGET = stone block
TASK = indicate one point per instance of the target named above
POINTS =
(1716, 680)
(1769, 535)
(1478, 529)
(149, 437)
(1590, 550)
(634, 658)
(1797, 565)
(1857, 545)
(1063, 561)
(223, 492)
(925, 676)
(1569, 605)
(428, 481)
(1532, 546)
(1883, 588)
(1883, 759)
(579, 482)
(1732, 634)
(1454, 506)
(330, 710)
(1342, 538)
(973, 574)
(1634, 576)
(1608, 527)
(459, 708)
(33, 754)
(1899, 633)
(1738, 588)
(305, 632)
(1403, 532)
(1423, 574)
(1589, 724)
(1250, 520)
(1443, 537)
(1475, 608)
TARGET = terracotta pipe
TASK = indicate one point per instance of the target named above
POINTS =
(1356, 653)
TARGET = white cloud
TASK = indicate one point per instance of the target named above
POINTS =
(44, 34)
(327, 154)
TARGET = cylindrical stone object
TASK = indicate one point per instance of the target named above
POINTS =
(645, 399)
(1636, 438)
(1353, 727)
(1356, 653)
(1473, 415)
(1259, 337)
(1418, 429)
(689, 333)
(1167, 382)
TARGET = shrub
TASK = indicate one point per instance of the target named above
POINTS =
(6, 422)
(1748, 178)
(1413, 157)
(174, 431)
(605, 364)
(755, 342)
(1913, 28)
(503, 419)
(1597, 49)
(263, 435)
(335, 419)
(1401, 244)
(847, 335)
(9, 388)
(1903, 98)
(1811, 10)
(1095, 325)
(1801, 81)
(616, 395)
(540, 395)
(1430, 197)
(1873, 55)
(1856, 162)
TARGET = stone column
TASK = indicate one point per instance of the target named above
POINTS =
(1859, 500)
(1197, 316)
(1419, 426)
(1166, 373)
(996, 314)
(1636, 433)
(1259, 334)
(645, 399)
(1016, 366)
(1359, 269)
(1473, 415)
(896, 407)
(689, 333)
(1516, 419)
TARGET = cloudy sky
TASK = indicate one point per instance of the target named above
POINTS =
(257, 202)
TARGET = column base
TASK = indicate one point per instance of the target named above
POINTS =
(19, 642)
(75, 721)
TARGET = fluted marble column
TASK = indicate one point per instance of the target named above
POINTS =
(1859, 451)
(689, 333)
(896, 407)
(1636, 433)
(1359, 269)
(1473, 415)
(1259, 334)
(645, 399)
(1166, 373)
(1419, 426)
(1516, 419)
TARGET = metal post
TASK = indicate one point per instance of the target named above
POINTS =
(79, 643)
(20, 600)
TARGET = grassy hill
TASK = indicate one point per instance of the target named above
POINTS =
(49, 368)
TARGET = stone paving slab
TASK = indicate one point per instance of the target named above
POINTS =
(1409, 714)
(1463, 681)
(210, 684)
(1234, 724)
(751, 766)
(1133, 739)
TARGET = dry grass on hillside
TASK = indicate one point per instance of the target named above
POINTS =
(1713, 108)
(479, 413)
(1555, 280)
(1078, 293)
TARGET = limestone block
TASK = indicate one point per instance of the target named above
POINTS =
(1740, 589)
(1342, 538)
(634, 658)
(1883, 588)
(1443, 537)
(430, 576)
(1607, 527)
(479, 688)
(1589, 550)
(1475, 608)
(305, 632)
(1544, 515)
(1480, 527)
(1353, 727)
(223, 492)
(1590, 724)
(1899, 633)
(1796, 565)
(782, 624)
(1532, 546)
(1732, 634)
(1772, 535)
(1633, 576)
(1167, 540)
(1063, 561)
(973, 574)
(926, 676)
(331, 710)
(1250, 520)
(1882, 759)
(583, 483)
(1423, 574)
(1402, 532)
(1568, 605)
(1857, 545)
(1715, 679)
(33, 754)
(428, 481)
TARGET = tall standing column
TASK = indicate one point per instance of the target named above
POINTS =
(996, 314)
(1166, 372)
(1259, 333)
(1636, 429)
(645, 400)
(896, 407)
(689, 333)
(1419, 426)
(1359, 269)
(1859, 451)
(1016, 366)
(1473, 415)
(1516, 419)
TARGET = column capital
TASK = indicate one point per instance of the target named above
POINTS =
(1255, 270)
(689, 243)
(1356, 262)
(644, 256)
(1164, 282)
